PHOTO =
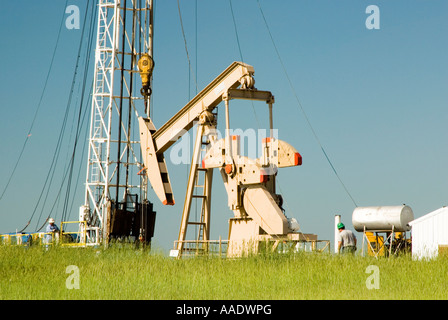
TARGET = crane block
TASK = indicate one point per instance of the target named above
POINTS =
(156, 169)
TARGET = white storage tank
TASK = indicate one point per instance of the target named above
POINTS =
(382, 218)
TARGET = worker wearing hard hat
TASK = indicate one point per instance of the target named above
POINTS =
(346, 240)
(52, 231)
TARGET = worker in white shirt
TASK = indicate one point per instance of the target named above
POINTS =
(52, 231)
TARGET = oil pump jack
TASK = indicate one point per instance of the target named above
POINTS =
(250, 183)
(116, 203)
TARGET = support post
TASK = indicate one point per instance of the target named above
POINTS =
(337, 219)
(271, 121)
(228, 142)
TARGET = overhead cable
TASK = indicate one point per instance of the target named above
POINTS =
(241, 55)
(186, 46)
(38, 105)
(301, 107)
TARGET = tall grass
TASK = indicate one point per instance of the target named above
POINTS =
(126, 273)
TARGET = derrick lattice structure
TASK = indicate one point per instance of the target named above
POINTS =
(115, 192)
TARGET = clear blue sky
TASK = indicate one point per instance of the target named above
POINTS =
(377, 100)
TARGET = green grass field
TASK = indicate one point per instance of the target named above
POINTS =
(126, 273)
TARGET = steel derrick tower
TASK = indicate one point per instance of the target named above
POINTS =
(116, 203)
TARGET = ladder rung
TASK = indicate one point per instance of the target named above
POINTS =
(193, 249)
(197, 223)
(199, 196)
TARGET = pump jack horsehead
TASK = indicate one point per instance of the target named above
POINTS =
(250, 183)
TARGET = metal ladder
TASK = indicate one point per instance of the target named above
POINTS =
(197, 190)
(202, 232)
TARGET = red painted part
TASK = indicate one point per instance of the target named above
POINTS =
(263, 176)
(265, 140)
(297, 159)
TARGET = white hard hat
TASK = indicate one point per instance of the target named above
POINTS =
(51, 220)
